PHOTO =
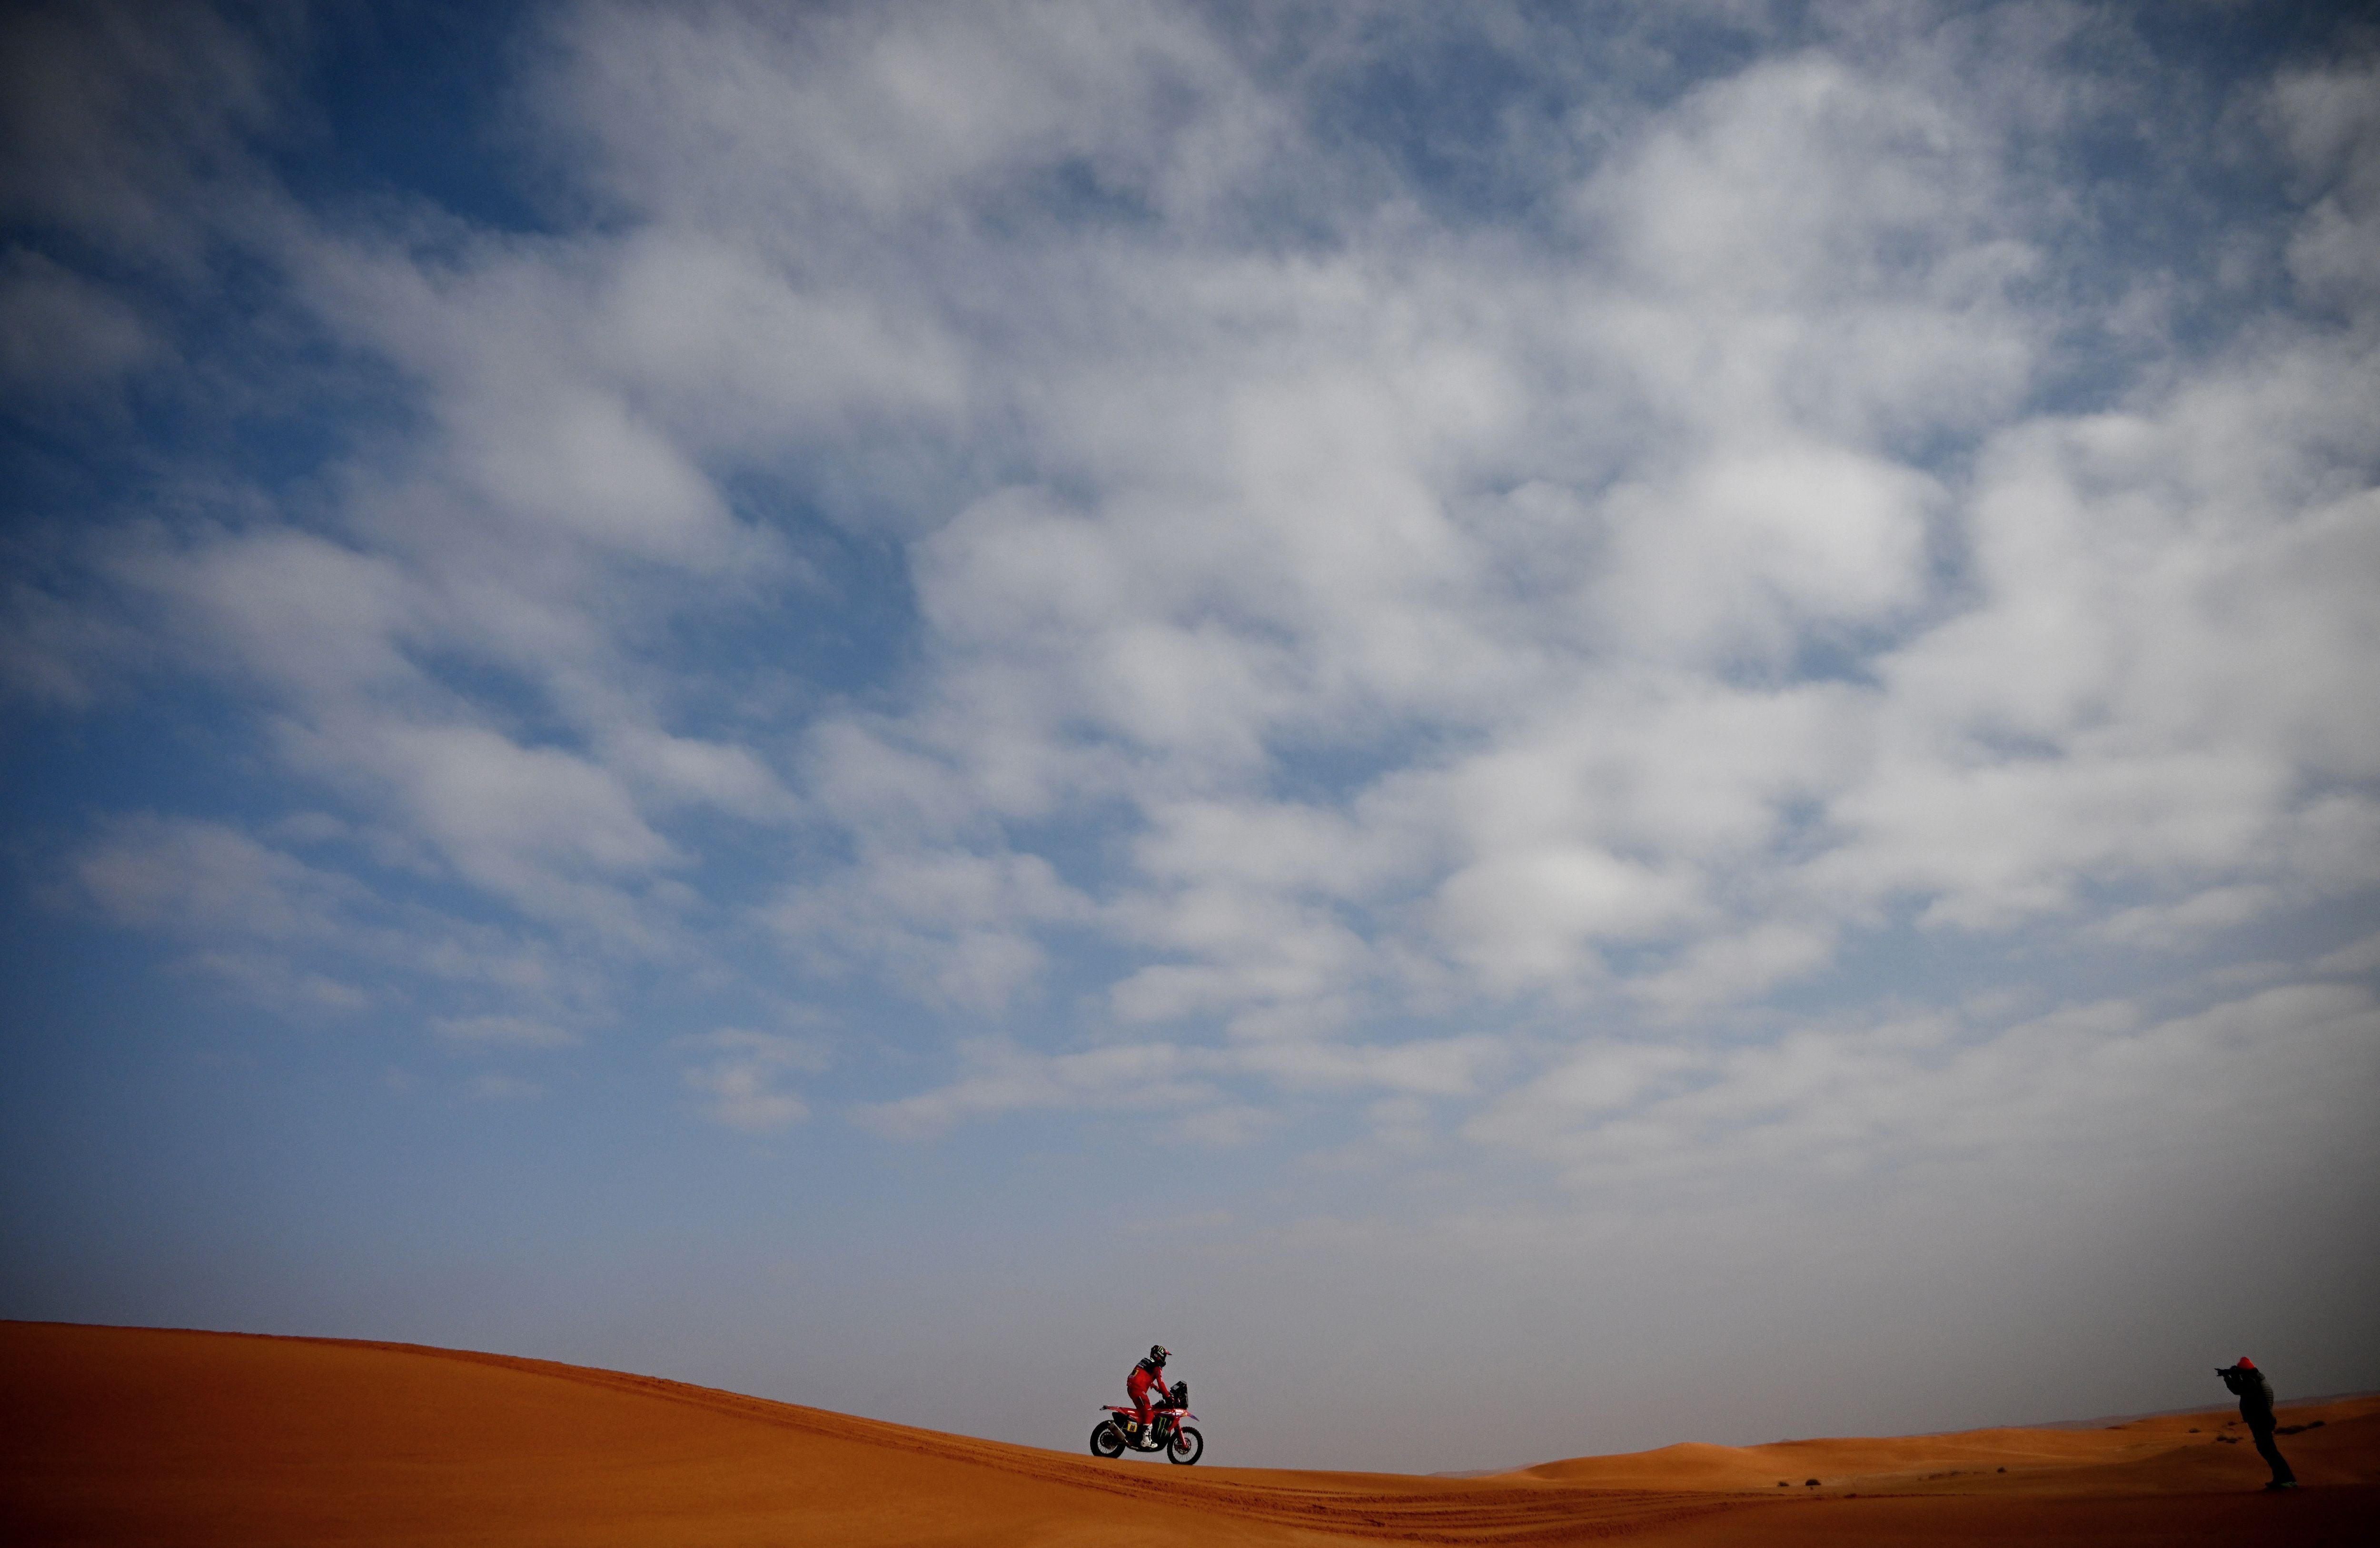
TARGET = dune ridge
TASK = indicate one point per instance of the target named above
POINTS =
(146, 1435)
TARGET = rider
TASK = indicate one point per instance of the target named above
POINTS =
(1146, 1373)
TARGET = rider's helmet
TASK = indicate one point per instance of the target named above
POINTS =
(1157, 1353)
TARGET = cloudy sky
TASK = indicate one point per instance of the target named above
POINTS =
(1548, 728)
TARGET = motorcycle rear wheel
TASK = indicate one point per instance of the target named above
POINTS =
(1188, 1447)
(1107, 1440)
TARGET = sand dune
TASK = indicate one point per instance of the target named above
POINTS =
(148, 1436)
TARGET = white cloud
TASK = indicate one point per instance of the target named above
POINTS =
(2094, 1084)
(305, 615)
(1442, 1067)
(1000, 1078)
(62, 335)
(775, 120)
(2333, 131)
(1527, 917)
(2175, 924)
(270, 979)
(495, 805)
(1246, 947)
(961, 926)
(1813, 535)
(740, 1079)
(744, 355)
(492, 1087)
(2362, 956)
(1328, 604)
(1194, 1084)
(276, 928)
(205, 878)
(502, 1031)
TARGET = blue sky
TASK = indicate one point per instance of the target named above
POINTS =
(1545, 728)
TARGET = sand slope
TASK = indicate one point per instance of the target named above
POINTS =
(148, 1437)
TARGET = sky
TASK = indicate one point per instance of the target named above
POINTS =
(1547, 728)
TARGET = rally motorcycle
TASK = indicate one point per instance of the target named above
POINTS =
(1166, 1431)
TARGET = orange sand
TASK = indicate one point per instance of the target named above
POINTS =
(127, 1435)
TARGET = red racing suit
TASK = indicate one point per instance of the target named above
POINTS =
(1144, 1376)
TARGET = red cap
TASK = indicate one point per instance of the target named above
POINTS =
(2246, 1364)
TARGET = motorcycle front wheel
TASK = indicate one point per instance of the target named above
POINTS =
(1188, 1447)
(1106, 1439)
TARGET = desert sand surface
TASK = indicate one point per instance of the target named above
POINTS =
(132, 1435)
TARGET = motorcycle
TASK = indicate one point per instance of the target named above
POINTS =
(1166, 1431)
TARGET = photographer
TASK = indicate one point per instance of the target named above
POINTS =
(2256, 1407)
